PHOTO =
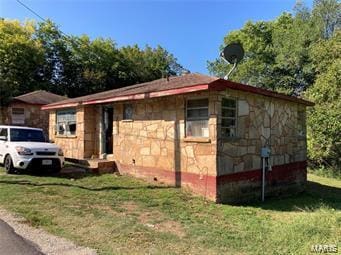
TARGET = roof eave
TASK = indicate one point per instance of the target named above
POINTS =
(146, 95)
(221, 84)
(169, 92)
(51, 107)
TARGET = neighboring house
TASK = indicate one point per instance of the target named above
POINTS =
(198, 131)
(25, 110)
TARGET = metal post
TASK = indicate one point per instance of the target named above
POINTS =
(263, 179)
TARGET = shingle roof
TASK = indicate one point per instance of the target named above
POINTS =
(40, 97)
(162, 87)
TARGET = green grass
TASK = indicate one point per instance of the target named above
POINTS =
(328, 172)
(123, 215)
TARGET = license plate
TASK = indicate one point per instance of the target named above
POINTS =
(46, 162)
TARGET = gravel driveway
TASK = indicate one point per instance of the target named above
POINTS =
(34, 241)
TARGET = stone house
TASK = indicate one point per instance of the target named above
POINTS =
(197, 131)
(25, 110)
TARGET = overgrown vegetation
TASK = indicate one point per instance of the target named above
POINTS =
(122, 215)
(298, 53)
(39, 56)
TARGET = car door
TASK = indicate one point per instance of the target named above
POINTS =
(3, 142)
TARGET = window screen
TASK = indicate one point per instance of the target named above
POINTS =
(66, 122)
(197, 118)
(228, 117)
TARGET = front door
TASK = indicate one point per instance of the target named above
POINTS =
(108, 117)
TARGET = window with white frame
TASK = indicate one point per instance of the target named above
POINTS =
(66, 122)
(228, 117)
(197, 118)
(18, 116)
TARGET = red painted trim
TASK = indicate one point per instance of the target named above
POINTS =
(278, 172)
(47, 107)
(205, 185)
(115, 99)
(224, 84)
(150, 94)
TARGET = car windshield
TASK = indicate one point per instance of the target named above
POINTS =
(26, 135)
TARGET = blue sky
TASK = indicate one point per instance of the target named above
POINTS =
(191, 30)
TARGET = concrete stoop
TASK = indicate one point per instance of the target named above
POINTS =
(98, 166)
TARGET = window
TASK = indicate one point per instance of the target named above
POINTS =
(26, 135)
(127, 112)
(3, 133)
(18, 116)
(300, 122)
(66, 122)
(228, 117)
(197, 118)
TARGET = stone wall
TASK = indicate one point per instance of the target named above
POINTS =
(262, 121)
(34, 116)
(84, 143)
(153, 144)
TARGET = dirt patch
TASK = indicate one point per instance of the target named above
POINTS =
(153, 219)
(150, 217)
(171, 227)
(130, 207)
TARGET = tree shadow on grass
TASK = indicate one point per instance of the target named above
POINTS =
(105, 188)
(315, 196)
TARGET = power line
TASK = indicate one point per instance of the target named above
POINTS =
(40, 17)
(28, 8)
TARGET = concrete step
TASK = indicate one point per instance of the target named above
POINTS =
(97, 165)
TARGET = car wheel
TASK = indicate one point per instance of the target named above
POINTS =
(9, 165)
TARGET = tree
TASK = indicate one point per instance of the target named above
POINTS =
(276, 53)
(60, 71)
(328, 15)
(324, 126)
(148, 64)
(20, 59)
(40, 56)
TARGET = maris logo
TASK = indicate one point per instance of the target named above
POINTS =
(324, 248)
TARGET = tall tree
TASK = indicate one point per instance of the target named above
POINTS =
(40, 56)
(149, 63)
(20, 59)
(324, 125)
(58, 73)
(277, 52)
(328, 14)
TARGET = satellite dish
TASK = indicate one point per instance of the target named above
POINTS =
(232, 54)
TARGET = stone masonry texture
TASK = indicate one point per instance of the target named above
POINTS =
(153, 144)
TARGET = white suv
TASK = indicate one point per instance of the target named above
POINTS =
(26, 148)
